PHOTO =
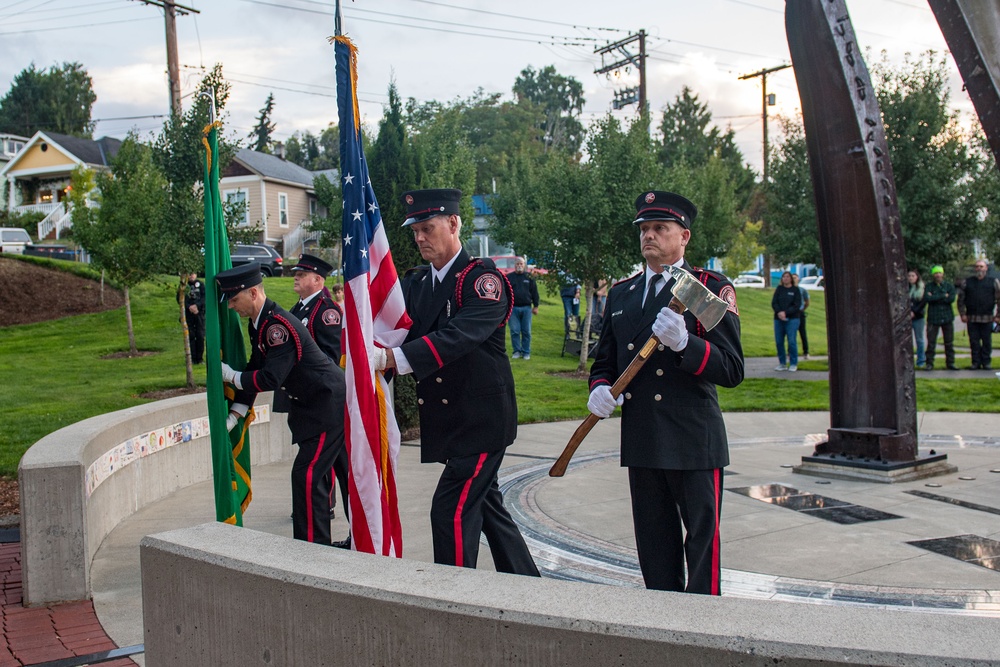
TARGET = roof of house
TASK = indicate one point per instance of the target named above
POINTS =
(272, 166)
(90, 151)
(332, 175)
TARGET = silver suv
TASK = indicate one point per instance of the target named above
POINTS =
(13, 240)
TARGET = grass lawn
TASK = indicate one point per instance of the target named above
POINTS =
(52, 374)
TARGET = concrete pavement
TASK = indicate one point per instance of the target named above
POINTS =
(580, 527)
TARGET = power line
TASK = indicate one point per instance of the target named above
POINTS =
(294, 90)
(520, 18)
(299, 83)
(69, 16)
(42, 4)
(73, 27)
(552, 38)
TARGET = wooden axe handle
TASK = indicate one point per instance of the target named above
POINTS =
(558, 468)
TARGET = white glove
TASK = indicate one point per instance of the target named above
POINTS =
(671, 330)
(602, 403)
(231, 421)
(379, 355)
(228, 374)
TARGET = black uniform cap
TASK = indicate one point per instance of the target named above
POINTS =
(425, 204)
(235, 280)
(658, 205)
(314, 264)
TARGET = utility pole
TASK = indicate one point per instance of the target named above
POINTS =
(627, 59)
(765, 101)
(170, 11)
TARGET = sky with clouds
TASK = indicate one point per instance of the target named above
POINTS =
(433, 49)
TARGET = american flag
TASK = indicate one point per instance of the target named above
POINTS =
(374, 315)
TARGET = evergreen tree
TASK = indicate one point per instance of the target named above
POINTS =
(561, 100)
(260, 135)
(58, 100)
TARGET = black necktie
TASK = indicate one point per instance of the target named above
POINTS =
(647, 306)
(435, 285)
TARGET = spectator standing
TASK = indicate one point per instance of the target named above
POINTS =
(917, 308)
(525, 305)
(194, 313)
(570, 293)
(600, 298)
(939, 295)
(979, 308)
(673, 436)
(802, 315)
(787, 306)
(465, 389)
(337, 292)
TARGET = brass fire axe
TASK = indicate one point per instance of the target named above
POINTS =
(688, 294)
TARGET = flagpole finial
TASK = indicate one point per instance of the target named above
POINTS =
(211, 102)
(338, 18)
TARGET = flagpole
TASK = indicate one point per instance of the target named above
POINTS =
(338, 20)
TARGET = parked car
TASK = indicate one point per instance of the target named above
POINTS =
(268, 258)
(505, 262)
(13, 240)
(811, 282)
(748, 280)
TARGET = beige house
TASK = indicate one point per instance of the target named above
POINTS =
(278, 195)
(37, 177)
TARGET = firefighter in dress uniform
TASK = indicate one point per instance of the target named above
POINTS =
(673, 437)
(465, 388)
(285, 357)
(323, 318)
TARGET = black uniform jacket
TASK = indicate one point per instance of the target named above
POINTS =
(671, 417)
(456, 346)
(286, 358)
(323, 319)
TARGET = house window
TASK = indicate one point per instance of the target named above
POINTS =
(282, 209)
(239, 198)
(312, 207)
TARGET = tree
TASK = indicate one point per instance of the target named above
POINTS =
(329, 221)
(58, 100)
(931, 161)
(688, 138)
(744, 250)
(394, 168)
(260, 135)
(791, 234)
(574, 216)
(561, 100)
(123, 236)
(178, 151)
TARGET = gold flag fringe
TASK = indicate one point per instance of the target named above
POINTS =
(343, 39)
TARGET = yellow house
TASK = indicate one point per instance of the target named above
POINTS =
(38, 176)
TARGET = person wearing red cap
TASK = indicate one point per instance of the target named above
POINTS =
(673, 437)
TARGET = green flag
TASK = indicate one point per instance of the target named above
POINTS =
(230, 450)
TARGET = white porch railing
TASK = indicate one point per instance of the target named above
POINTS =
(49, 222)
(295, 240)
(37, 208)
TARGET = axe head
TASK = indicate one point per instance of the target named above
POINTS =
(703, 304)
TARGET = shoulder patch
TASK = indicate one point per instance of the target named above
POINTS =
(728, 294)
(276, 335)
(331, 317)
(488, 287)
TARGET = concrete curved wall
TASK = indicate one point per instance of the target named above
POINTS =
(64, 521)
(218, 595)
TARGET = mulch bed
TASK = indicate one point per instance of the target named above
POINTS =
(33, 293)
(10, 503)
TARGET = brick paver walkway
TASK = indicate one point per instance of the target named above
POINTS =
(40, 634)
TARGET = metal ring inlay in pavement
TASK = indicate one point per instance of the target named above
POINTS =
(562, 552)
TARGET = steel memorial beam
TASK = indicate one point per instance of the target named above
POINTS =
(872, 392)
(972, 30)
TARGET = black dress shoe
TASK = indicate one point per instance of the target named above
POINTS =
(952, 367)
(342, 544)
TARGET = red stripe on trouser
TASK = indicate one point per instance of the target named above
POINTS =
(459, 560)
(309, 486)
(716, 570)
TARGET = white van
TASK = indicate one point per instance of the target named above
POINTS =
(13, 240)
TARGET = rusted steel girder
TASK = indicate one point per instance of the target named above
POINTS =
(972, 30)
(872, 395)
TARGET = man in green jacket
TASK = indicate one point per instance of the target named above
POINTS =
(939, 296)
